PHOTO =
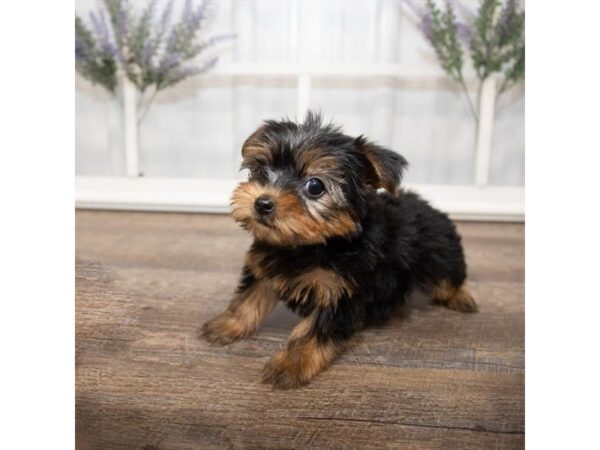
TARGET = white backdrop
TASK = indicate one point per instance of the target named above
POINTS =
(196, 129)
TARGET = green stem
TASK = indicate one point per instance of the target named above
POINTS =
(461, 81)
(503, 86)
(146, 109)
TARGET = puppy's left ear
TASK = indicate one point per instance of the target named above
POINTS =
(384, 168)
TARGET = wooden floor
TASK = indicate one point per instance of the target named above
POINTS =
(431, 378)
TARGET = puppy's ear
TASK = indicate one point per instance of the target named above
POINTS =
(255, 146)
(384, 168)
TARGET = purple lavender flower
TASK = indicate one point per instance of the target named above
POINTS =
(183, 72)
(101, 30)
(464, 32)
(151, 45)
(187, 71)
(171, 42)
(95, 23)
(426, 27)
(505, 21)
(196, 17)
(80, 50)
(421, 13)
(169, 61)
(462, 9)
(158, 54)
(121, 30)
(165, 18)
(190, 22)
(147, 53)
(123, 20)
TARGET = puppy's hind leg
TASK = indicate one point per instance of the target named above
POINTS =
(454, 297)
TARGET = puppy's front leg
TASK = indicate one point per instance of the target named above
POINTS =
(303, 358)
(314, 343)
(253, 302)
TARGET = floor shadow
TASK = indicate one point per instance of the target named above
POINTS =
(283, 319)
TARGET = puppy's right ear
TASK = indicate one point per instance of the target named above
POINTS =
(384, 168)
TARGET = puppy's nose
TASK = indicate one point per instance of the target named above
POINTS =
(264, 205)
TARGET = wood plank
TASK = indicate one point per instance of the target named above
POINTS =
(495, 252)
(430, 378)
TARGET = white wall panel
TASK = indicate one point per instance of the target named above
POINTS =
(178, 138)
(196, 129)
(508, 145)
(98, 133)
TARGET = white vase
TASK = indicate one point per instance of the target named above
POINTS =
(130, 117)
(485, 126)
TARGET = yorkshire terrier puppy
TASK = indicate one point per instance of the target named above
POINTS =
(329, 245)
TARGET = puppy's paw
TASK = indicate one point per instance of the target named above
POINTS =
(464, 302)
(221, 330)
(457, 298)
(283, 372)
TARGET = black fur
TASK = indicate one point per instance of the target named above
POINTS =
(399, 242)
(404, 244)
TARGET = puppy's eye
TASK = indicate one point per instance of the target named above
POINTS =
(314, 187)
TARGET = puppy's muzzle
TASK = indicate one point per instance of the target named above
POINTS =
(264, 205)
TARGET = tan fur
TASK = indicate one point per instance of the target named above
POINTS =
(314, 163)
(303, 328)
(256, 152)
(303, 358)
(458, 298)
(242, 200)
(243, 316)
(256, 264)
(254, 148)
(291, 224)
(380, 181)
(326, 286)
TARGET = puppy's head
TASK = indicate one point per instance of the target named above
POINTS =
(308, 182)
